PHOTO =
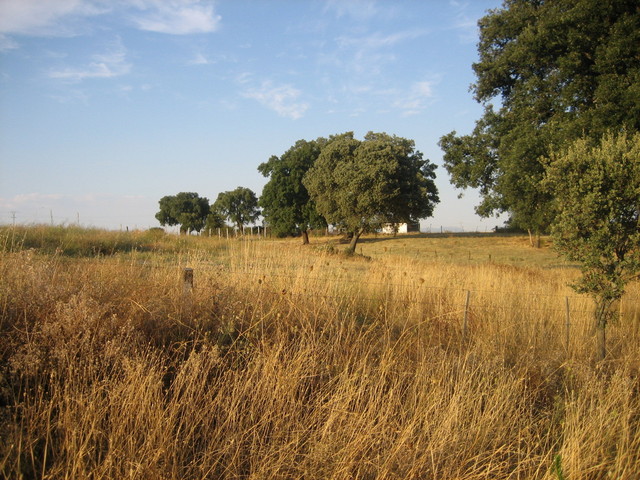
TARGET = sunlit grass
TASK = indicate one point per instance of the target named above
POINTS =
(286, 361)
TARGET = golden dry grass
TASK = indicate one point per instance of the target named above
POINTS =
(291, 362)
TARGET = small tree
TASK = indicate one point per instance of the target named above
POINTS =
(240, 206)
(597, 197)
(186, 209)
(285, 201)
(361, 185)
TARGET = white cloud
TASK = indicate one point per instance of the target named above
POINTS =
(244, 78)
(106, 65)
(39, 17)
(466, 26)
(416, 99)
(281, 99)
(199, 59)
(61, 17)
(7, 43)
(176, 17)
(361, 10)
(369, 54)
(376, 41)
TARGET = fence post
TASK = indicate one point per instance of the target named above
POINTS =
(187, 280)
(567, 323)
(465, 324)
(187, 290)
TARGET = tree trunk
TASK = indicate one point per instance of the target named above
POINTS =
(305, 237)
(603, 313)
(602, 342)
(354, 241)
(535, 243)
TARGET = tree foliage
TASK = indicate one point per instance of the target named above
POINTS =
(361, 185)
(186, 209)
(214, 221)
(597, 198)
(559, 70)
(240, 206)
(286, 205)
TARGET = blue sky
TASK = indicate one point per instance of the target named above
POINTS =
(108, 105)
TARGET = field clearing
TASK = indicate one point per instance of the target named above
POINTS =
(464, 248)
(291, 361)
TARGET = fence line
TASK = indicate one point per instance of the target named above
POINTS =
(465, 311)
(188, 276)
(343, 280)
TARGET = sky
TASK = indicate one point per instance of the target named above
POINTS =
(108, 105)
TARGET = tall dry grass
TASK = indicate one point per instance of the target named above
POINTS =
(291, 362)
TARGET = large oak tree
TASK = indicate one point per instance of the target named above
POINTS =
(361, 185)
(240, 206)
(186, 209)
(549, 72)
(286, 205)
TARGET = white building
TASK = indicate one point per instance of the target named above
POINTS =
(392, 228)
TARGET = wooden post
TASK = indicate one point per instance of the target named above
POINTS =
(187, 280)
(187, 291)
(567, 323)
(465, 324)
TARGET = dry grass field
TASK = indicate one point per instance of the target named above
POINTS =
(426, 357)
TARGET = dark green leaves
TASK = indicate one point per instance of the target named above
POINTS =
(558, 70)
(240, 206)
(186, 209)
(287, 207)
(597, 198)
(360, 185)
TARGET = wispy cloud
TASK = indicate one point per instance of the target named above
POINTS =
(199, 59)
(376, 40)
(111, 64)
(370, 53)
(355, 9)
(176, 17)
(64, 17)
(7, 43)
(416, 99)
(282, 99)
(44, 18)
(463, 23)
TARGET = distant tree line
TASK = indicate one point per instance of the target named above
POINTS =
(193, 213)
(355, 185)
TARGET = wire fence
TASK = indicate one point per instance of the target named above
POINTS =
(267, 273)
